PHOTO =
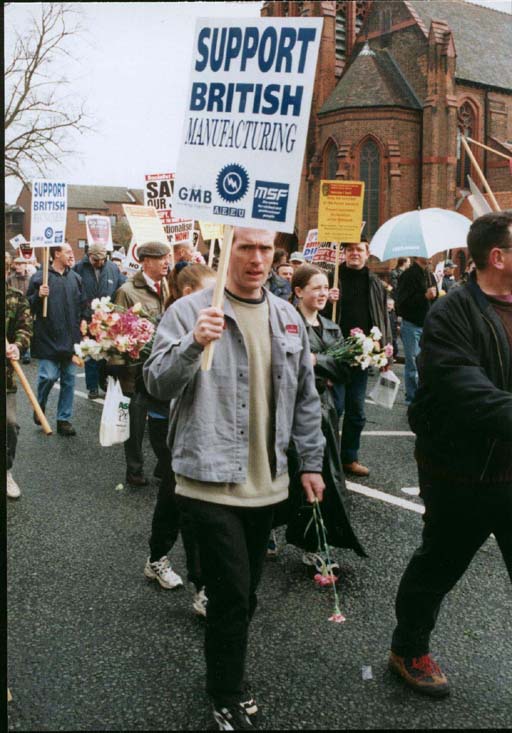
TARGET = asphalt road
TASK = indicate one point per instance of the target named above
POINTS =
(93, 645)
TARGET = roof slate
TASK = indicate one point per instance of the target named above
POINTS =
(483, 39)
(373, 79)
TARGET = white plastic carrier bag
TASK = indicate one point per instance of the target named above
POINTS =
(386, 389)
(115, 418)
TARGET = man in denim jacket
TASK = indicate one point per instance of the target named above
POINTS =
(230, 428)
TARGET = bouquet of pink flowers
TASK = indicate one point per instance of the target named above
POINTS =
(362, 350)
(116, 331)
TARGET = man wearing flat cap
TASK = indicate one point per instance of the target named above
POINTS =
(449, 275)
(149, 288)
(100, 278)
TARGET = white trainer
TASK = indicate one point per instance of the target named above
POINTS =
(13, 490)
(161, 570)
(199, 603)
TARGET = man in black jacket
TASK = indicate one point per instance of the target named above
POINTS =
(56, 335)
(415, 292)
(363, 304)
(101, 278)
(462, 417)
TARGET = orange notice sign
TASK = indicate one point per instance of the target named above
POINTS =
(340, 211)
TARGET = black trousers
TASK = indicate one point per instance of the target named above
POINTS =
(458, 520)
(133, 446)
(167, 517)
(232, 545)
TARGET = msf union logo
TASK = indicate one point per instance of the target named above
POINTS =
(232, 182)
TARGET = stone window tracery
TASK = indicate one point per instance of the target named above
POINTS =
(466, 126)
(330, 161)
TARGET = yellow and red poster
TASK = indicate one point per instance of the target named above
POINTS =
(340, 211)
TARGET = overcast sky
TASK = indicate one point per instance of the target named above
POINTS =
(132, 68)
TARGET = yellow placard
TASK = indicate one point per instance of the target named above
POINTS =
(145, 224)
(211, 231)
(340, 211)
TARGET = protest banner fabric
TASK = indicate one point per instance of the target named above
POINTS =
(247, 119)
(99, 231)
(159, 193)
(48, 213)
(340, 211)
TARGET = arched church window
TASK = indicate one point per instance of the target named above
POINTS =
(466, 126)
(369, 172)
(330, 161)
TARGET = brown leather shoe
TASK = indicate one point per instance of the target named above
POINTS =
(357, 469)
(136, 480)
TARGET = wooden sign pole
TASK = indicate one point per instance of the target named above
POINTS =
(218, 293)
(480, 174)
(336, 279)
(491, 150)
(211, 252)
(28, 389)
(46, 266)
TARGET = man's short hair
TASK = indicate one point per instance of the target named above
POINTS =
(54, 250)
(401, 261)
(488, 231)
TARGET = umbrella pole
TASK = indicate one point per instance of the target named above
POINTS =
(480, 174)
(336, 279)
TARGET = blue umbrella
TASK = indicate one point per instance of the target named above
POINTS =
(420, 233)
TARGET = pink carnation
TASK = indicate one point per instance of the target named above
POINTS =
(356, 331)
(388, 350)
(338, 618)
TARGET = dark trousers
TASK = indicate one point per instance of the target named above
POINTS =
(457, 521)
(12, 428)
(133, 446)
(167, 517)
(349, 400)
(232, 546)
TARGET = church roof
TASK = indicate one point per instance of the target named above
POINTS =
(483, 38)
(373, 79)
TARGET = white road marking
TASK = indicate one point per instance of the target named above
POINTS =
(387, 432)
(84, 395)
(388, 498)
(411, 490)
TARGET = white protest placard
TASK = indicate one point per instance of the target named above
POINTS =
(48, 213)
(18, 241)
(159, 193)
(99, 231)
(246, 122)
(310, 245)
(132, 262)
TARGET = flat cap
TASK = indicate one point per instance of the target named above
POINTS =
(297, 257)
(153, 249)
(97, 250)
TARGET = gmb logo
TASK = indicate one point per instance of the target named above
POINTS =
(232, 182)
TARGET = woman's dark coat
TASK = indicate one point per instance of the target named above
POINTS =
(335, 507)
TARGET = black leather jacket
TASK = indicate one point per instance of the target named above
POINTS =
(462, 411)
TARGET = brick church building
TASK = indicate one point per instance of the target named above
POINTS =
(397, 83)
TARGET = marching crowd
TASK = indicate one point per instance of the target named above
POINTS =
(265, 419)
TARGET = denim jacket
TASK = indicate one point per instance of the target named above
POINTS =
(209, 412)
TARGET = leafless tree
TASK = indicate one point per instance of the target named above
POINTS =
(40, 114)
